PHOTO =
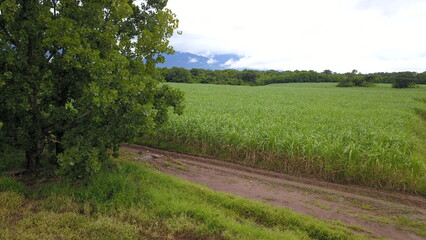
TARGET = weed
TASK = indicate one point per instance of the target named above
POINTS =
(331, 198)
(10, 184)
(415, 226)
(230, 181)
(362, 205)
(175, 161)
(359, 229)
(167, 164)
(318, 204)
(183, 168)
(269, 199)
(385, 220)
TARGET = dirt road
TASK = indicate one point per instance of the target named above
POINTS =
(371, 212)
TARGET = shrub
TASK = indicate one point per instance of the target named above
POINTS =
(352, 80)
(345, 84)
(11, 185)
(404, 80)
(10, 158)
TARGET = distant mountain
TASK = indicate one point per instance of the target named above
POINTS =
(189, 60)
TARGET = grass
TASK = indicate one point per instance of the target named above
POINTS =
(167, 164)
(359, 229)
(367, 136)
(363, 205)
(183, 168)
(132, 201)
(9, 184)
(412, 225)
(320, 205)
(331, 198)
(269, 199)
(384, 220)
(406, 223)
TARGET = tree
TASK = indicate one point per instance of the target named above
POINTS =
(327, 72)
(355, 79)
(180, 75)
(404, 80)
(421, 78)
(248, 76)
(368, 80)
(78, 77)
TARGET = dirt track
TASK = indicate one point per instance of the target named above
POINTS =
(371, 212)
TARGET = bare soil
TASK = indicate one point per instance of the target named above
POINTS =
(375, 213)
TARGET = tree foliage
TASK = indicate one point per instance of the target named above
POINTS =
(258, 77)
(354, 79)
(404, 80)
(181, 75)
(78, 77)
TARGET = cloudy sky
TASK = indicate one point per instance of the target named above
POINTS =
(340, 35)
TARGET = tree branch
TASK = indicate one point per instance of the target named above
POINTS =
(7, 33)
(82, 116)
(51, 55)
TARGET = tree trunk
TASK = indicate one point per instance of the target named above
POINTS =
(58, 145)
(35, 141)
(58, 148)
(33, 154)
(32, 160)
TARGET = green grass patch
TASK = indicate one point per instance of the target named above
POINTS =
(167, 164)
(368, 136)
(359, 229)
(133, 201)
(175, 161)
(8, 184)
(320, 205)
(417, 227)
(183, 168)
(363, 205)
(384, 220)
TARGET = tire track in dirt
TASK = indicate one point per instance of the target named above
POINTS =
(372, 212)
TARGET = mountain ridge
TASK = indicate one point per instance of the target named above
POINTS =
(189, 60)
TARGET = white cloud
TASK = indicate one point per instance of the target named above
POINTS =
(386, 7)
(230, 63)
(192, 60)
(373, 35)
(211, 61)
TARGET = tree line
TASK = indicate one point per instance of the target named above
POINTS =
(257, 77)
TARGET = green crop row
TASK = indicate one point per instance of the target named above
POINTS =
(372, 137)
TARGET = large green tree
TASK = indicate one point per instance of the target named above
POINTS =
(176, 74)
(404, 80)
(78, 77)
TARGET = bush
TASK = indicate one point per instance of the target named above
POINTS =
(345, 84)
(11, 185)
(181, 75)
(367, 84)
(10, 158)
(404, 80)
(352, 80)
